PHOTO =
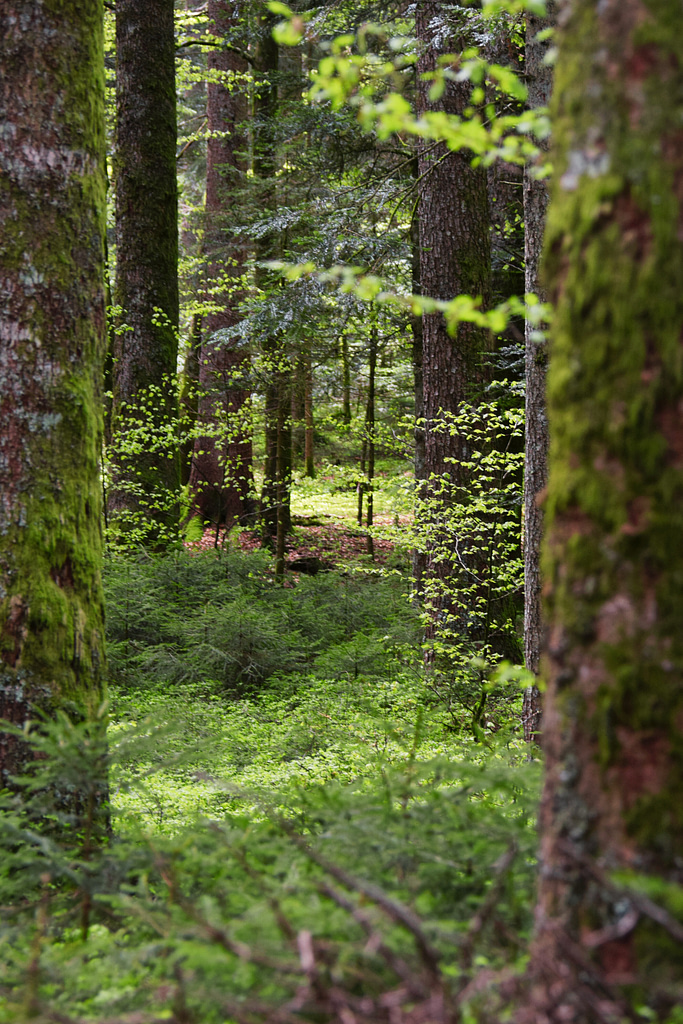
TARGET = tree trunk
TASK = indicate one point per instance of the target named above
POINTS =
(370, 430)
(455, 258)
(189, 397)
(539, 83)
(52, 345)
(299, 408)
(309, 431)
(220, 475)
(613, 558)
(145, 460)
(275, 495)
(346, 378)
(419, 555)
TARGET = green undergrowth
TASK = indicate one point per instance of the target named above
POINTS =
(294, 821)
(419, 874)
(250, 686)
(221, 620)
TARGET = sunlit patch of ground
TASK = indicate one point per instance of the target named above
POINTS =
(332, 541)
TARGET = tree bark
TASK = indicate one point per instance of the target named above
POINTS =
(146, 469)
(613, 558)
(455, 258)
(419, 555)
(346, 377)
(52, 345)
(370, 430)
(309, 429)
(275, 495)
(220, 475)
(539, 83)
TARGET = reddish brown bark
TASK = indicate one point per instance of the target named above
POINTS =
(613, 563)
(220, 474)
(455, 259)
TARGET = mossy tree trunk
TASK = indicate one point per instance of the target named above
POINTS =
(613, 558)
(52, 343)
(455, 258)
(146, 474)
(221, 472)
(539, 83)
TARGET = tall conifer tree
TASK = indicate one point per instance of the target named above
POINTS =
(220, 474)
(613, 558)
(52, 338)
(146, 469)
(455, 258)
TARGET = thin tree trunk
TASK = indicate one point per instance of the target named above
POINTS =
(299, 409)
(361, 483)
(370, 431)
(611, 818)
(275, 494)
(52, 346)
(309, 435)
(346, 379)
(189, 397)
(220, 477)
(539, 83)
(419, 556)
(144, 494)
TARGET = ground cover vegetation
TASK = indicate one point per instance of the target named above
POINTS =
(304, 782)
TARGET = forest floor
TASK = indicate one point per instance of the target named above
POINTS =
(270, 746)
(331, 540)
(326, 525)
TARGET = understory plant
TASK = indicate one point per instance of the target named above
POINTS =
(469, 520)
(319, 903)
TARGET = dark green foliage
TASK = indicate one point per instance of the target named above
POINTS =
(220, 619)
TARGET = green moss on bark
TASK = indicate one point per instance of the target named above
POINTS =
(614, 558)
(51, 352)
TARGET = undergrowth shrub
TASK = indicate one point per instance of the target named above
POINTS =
(469, 527)
(220, 617)
(317, 904)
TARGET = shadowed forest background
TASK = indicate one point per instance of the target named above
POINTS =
(290, 693)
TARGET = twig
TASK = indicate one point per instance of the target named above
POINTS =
(396, 911)
(501, 867)
(375, 943)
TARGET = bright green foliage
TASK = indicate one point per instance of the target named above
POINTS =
(477, 610)
(146, 435)
(210, 916)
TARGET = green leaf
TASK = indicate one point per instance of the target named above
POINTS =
(288, 33)
(275, 7)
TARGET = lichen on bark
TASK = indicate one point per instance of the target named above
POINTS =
(51, 351)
